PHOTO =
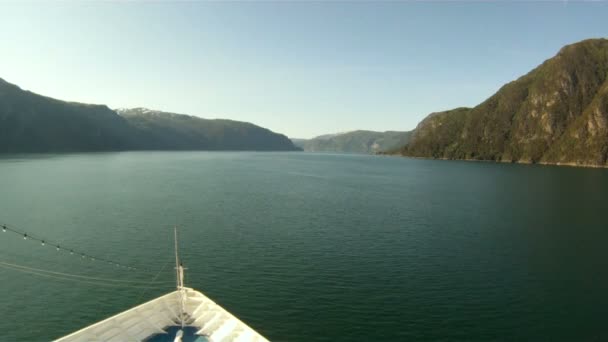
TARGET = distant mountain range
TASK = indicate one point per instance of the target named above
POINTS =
(33, 123)
(556, 114)
(166, 131)
(354, 142)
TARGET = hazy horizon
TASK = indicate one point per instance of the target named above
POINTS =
(298, 68)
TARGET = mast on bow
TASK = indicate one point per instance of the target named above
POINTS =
(179, 276)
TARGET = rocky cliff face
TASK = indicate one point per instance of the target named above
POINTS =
(557, 113)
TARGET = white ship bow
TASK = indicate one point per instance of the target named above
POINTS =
(152, 318)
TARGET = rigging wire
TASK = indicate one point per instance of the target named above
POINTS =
(91, 282)
(45, 242)
(143, 292)
(33, 269)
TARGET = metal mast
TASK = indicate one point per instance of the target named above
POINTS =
(179, 275)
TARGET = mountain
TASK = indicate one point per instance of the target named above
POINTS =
(170, 131)
(33, 123)
(354, 142)
(555, 114)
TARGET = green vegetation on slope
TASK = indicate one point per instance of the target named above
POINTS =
(557, 113)
(355, 142)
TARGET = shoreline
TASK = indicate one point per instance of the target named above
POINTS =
(589, 166)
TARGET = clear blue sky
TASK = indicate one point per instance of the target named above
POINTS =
(299, 68)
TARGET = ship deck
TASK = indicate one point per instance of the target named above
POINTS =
(157, 320)
(189, 335)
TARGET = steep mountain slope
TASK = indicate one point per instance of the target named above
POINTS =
(557, 113)
(355, 142)
(33, 123)
(172, 131)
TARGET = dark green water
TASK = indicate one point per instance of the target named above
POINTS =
(315, 247)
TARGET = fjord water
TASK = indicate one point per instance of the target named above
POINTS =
(313, 247)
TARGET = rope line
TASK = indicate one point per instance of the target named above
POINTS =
(44, 242)
(98, 283)
(143, 292)
(4, 263)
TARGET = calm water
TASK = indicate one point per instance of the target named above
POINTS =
(315, 247)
